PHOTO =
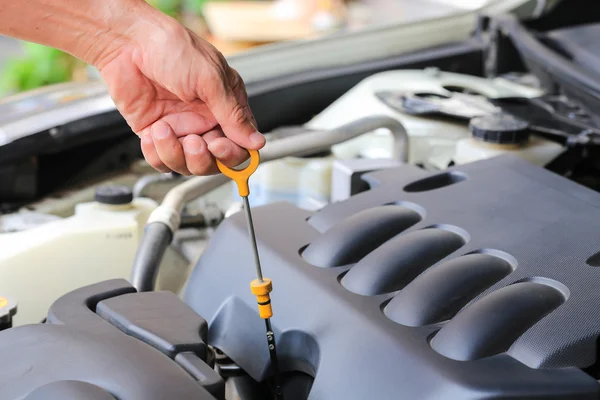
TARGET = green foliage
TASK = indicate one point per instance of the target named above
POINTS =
(39, 66)
(169, 7)
(42, 65)
(195, 6)
(174, 8)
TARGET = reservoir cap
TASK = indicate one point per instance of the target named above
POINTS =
(499, 129)
(114, 194)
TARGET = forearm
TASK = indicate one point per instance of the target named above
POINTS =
(87, 29)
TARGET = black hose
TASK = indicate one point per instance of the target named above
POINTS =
(156, 239)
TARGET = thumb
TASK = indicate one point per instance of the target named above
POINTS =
(235, 118)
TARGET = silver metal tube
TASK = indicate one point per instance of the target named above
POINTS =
(313, 142)
(144, 182)
(253, 243)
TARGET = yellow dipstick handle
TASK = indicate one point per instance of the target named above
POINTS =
(261, 290)
(241, 177)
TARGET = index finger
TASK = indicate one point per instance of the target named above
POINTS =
(231, 115)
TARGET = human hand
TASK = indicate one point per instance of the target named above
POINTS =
(179, 95)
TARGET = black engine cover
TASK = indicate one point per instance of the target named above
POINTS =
(479, 282)
(108, 342)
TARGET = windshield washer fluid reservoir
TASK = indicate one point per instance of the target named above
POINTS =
(97, 243)
(499, 134)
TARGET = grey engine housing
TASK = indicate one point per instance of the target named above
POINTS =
(468, 284)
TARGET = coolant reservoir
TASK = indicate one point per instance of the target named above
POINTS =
(97, 243)
(302, 181)
(499, 134)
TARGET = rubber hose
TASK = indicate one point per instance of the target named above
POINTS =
(155, 241)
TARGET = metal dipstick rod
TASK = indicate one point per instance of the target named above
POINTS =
(261, 287)
(252, 238)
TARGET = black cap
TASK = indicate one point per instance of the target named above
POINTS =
(114, 195)
(499, 129)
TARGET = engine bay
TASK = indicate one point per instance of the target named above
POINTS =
(428, 227)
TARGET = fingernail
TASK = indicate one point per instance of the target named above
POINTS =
(257, 138)
(192, 147)
(159, 131)
(216, 150)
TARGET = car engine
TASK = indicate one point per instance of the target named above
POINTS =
(425, 284)
(429, 224)
(429, 285)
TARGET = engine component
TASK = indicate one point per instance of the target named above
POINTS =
(107, 342)
(577, 44)
(45, 261)
(303, 181)
(556, 117)
(116, 195)
(561, 64)
(346, 176)
(478, 282)
(432, 140)
(496, 134)
(456, 105)
(499, 129)
(306, 180)
(143, 183)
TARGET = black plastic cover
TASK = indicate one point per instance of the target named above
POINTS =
(507, 312)
(487, 295)
(79, 355)
(359, 235)
(397, 262)
(449, 287)
(177, 329)
(203, 373)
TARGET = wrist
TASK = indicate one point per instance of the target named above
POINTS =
(123, 21)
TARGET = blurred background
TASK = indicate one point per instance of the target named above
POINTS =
(232, 26)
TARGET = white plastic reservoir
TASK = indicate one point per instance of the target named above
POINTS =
(432, 141)
(302, 181)
(99, 242)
